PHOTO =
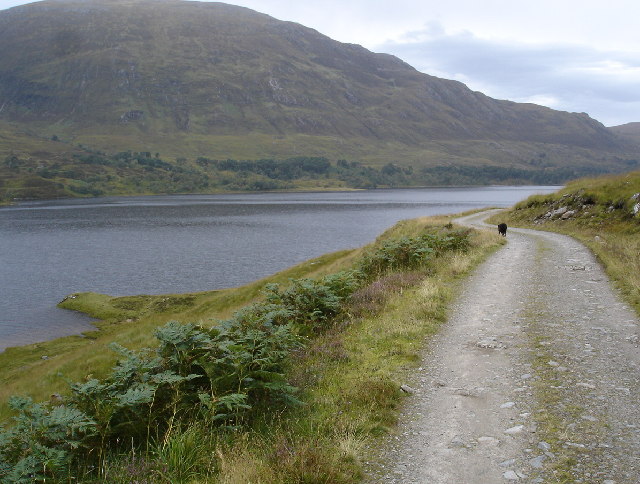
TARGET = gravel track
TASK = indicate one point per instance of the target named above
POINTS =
(534, 378)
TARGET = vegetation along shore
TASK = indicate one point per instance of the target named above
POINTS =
(282, 380)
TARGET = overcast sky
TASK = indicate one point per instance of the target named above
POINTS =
(572, 55)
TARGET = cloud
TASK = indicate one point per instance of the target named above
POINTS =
(569, 77)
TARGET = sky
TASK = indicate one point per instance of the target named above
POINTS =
(570, 55)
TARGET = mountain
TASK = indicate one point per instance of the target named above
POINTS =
(195, 79)
(629, 131)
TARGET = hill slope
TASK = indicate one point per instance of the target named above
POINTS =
(629, 131)
(192, 79)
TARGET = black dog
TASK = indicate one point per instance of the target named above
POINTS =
(502, 229)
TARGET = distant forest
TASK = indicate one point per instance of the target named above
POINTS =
(96, 174)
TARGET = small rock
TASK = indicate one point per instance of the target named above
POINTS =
(511, 476)
(407, 389)
(586, 385)
(456, 443)
(467, 392)
(537, 461)
(609, 481)
(544, 446)
(553, 363)
(514, 430)
(490, 342)
(573, 444)
(508, 405)
(526, 376)
(486, 440)
(507, 463)
(44, 357)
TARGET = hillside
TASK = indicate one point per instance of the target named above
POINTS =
(191, 79)
(629, 131)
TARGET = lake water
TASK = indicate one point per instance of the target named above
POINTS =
(175, 244)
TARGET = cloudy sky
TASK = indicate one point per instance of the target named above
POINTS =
(571, 55)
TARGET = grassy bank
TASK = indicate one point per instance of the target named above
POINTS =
(348, 365)
(129, 321)
(603, 213)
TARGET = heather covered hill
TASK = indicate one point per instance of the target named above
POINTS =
(194, 79)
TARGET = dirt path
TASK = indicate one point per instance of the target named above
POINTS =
(535, 377)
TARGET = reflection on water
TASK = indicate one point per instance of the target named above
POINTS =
(175, 244)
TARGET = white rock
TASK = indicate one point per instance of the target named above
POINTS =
(407, 389)
(537, 461)
(508, 405)
(586, 385)
(514, 430)
(544, 446)
(486, 440)
(511, 476)
(573, 444)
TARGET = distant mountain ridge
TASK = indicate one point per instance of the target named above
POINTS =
(192, 79)
(629, 131)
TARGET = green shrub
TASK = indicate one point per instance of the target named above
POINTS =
(313, 304)
(42, 441)
(409, 253)
(219, 374)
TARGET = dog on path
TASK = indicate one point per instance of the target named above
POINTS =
(502, 229)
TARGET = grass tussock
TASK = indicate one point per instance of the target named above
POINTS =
(358, 332)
